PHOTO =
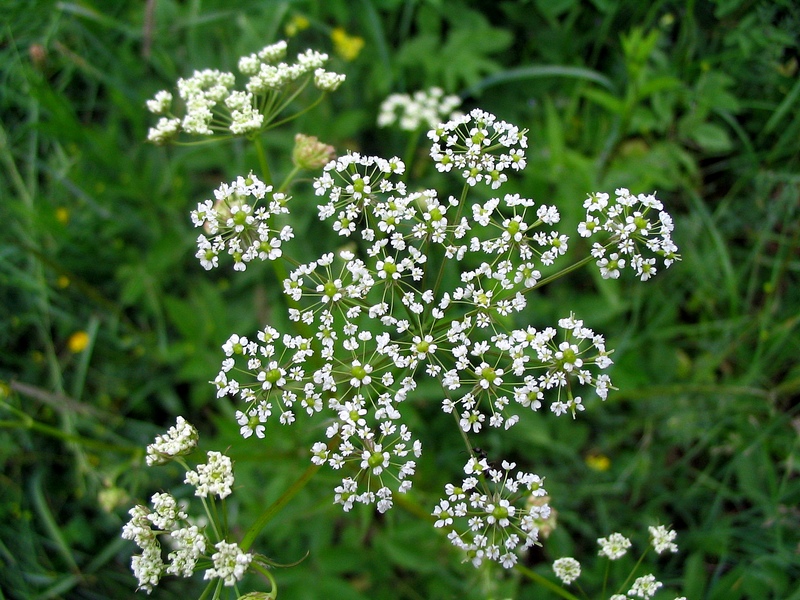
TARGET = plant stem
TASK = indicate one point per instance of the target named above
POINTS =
(27, 422)
(561, 273)
(276, 506)
(263, 163)
(544, 582)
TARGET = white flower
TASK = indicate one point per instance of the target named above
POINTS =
(178, 441)
(230, 563)
(645, 587)
(614, 546)
(161, 103)
(567, 569)
(662, 539)
(190, 546)
(215, 477)
(327, 81)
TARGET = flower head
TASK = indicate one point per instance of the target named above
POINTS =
(567, 569)
(178, 441)
(215, 477)
(614, 546)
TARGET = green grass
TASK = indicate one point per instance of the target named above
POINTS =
(697, 100)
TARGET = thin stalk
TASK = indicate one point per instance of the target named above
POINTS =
(411, 150)
(561, 273)
(544, 582)
(297, 114)
(263, 163)
(276, 506)
(27, 422)
(273, 593)
(292, 174)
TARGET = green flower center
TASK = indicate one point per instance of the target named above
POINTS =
(500, 512)
(240, 218)
(375, 460)
(569, 356)
(358, 372)
(330, 289)
(489, 374)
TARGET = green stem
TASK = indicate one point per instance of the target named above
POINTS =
(273, 593)
(27, 422)
(633, 571)
(276, 506)
(561, 273)
(263, 163)
(411, 150)
(544, 582)
(297, 114)
(292, 174)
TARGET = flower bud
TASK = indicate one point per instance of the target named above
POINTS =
(309, 153)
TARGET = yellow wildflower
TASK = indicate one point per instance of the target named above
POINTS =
(62, 215)
(598, 462)
(346, 46)
(297, 24)
(78, 341)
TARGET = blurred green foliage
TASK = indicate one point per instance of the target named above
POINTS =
(696, 99)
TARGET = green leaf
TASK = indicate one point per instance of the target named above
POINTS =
(694, 577)
(711, 138)
(659, 84)
(604, 99)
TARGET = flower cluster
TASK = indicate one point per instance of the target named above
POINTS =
(633, 227)
(181, 439)
(421, 109)
(212, 105)
(480, 146)
(429, 287)
(488, 516)
(615, 546)
(375, 318)
(167, 519)
(245, 229)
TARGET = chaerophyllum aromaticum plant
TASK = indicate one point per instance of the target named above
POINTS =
(425, 285)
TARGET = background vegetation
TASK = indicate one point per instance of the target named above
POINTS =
(109, 328)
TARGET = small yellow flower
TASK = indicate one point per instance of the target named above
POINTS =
(598, 462)
(346, 46)
(78, 341)
(62, 281)
(297, 24)
(62, 215)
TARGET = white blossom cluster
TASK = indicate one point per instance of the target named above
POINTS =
(167, 521)
(423, 108)
(242, 221)
(212, 105)
(374, 319)
(488, 515)
(633, 226)
(479, 146)
(180, 439)
(615, 546)
(215, 477)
